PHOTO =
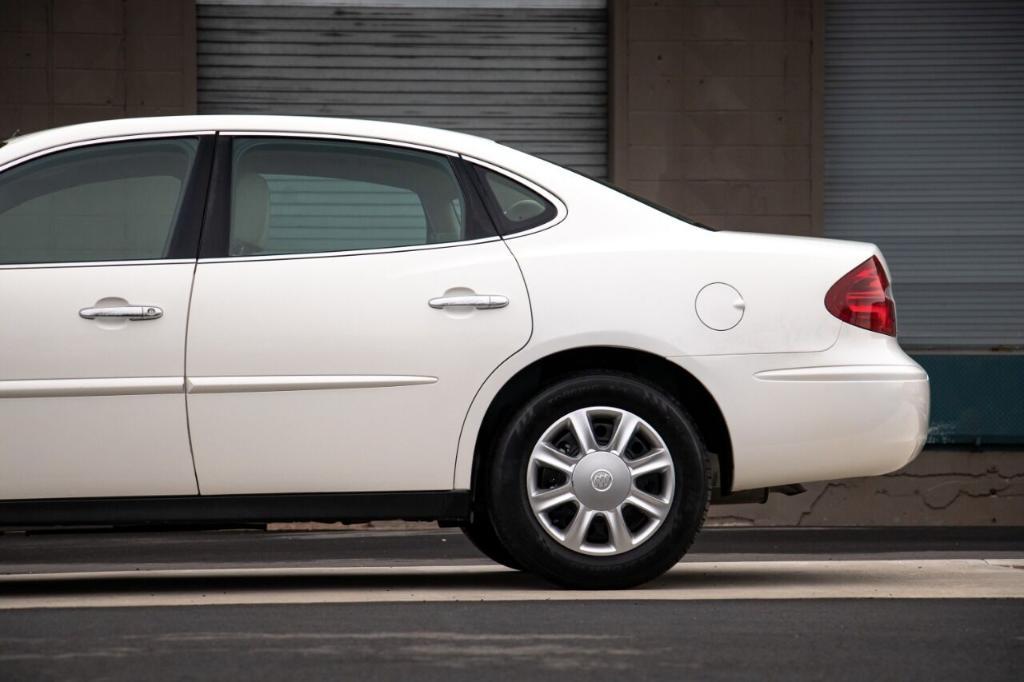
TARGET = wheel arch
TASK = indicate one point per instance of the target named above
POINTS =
(668, 376)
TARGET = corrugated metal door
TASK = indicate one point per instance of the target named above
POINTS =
(924, 155)
(532, 75)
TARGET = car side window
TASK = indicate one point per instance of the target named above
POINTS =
(293, 196)
(518, 207)
(106, 202)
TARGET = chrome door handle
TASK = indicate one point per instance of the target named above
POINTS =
(480, 302)
(131, 312)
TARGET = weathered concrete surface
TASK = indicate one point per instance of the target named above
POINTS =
(941, 487)
(71, 61)
(713, 110)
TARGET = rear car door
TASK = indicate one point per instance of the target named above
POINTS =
(97, 253)
(357, 300)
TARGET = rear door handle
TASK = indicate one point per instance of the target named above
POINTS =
(131, 312)
(478, 301)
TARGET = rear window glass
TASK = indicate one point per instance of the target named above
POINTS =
(518, 207)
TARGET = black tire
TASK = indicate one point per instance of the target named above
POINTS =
(520, 533)
(481, 533)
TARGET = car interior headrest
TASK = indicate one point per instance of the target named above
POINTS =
(250, 215)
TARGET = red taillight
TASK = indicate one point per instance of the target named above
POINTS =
(863, 299)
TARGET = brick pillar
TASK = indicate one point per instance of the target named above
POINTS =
(68, 61)
(714, 117)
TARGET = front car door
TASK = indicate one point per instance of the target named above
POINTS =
(97, 253)
(330, 345)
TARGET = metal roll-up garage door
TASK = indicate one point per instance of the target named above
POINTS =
(924, 155)
(532, 75)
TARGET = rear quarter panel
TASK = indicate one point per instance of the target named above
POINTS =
(616, 266)
(617, 273)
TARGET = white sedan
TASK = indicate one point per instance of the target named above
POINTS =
(226, 319)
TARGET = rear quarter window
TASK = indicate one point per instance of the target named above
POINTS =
(515, 206)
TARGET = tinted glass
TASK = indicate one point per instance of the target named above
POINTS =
(308, 196)
(116, 201)
(520, 207)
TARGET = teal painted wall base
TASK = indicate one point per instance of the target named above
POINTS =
(976, 399)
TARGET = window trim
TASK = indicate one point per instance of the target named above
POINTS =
(217, 222)
(95, 264)
(103, 140)
(561, 211)
(334, 136)
(185, 233)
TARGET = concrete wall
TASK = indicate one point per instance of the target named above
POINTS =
(940, 488)
(68, 61)
(713, 105)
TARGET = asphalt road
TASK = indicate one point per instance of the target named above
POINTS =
(54, 551)
(777, 604)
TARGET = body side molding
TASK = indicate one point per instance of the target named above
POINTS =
(53, 388)
(846, 373)
(252, 384)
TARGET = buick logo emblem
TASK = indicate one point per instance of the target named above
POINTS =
(601, 480)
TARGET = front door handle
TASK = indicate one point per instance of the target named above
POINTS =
(480, 302)
(130, 312)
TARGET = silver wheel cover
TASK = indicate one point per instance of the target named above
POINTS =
(600, 481)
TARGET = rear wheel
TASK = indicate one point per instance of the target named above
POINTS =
(601, 481)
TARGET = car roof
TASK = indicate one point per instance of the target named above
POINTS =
(436, 138)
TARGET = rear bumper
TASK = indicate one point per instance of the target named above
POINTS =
(791, 421)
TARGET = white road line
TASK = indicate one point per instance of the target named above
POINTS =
(884, 579)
